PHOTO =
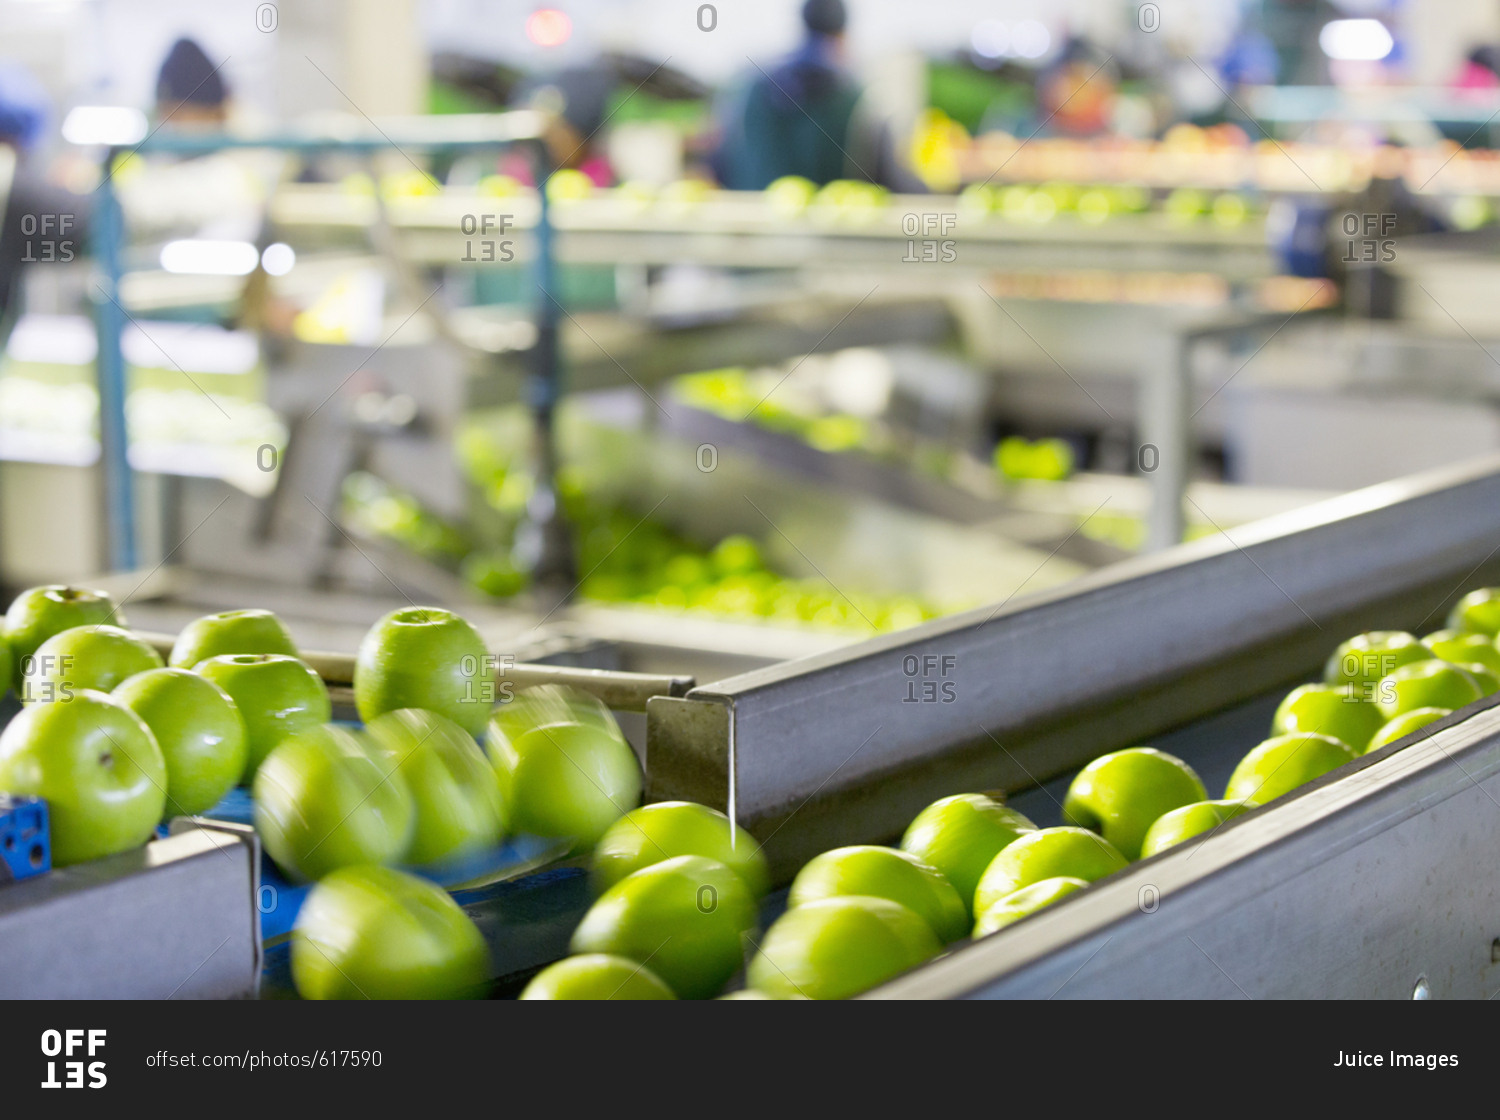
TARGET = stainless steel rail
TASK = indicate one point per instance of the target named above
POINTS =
(848, 746)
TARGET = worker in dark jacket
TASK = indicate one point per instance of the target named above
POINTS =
(797, 117)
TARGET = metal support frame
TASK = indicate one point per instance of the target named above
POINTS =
(843, 748)
(1372, 883)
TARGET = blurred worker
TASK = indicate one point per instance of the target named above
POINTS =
(802, 117)
(39, 221)
(577, 100)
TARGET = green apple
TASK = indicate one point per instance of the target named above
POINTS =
(453, 786)
(1426, 684)
(1046, 854)
(326, 799)
(1478, 611)
(248, 631)
(686, 918)
(564, 779)
(98, 768)
(277, 696)
(1329, 709)
(1284, 762)
(1462, 648)
(665, 829)
(84, 657)
(1365, 658)
(1404, 724)
(960, 835)
(876, 872)
(38, 613)
(198, 729)
(425, 657)
(1119, 795)
(839, 947)
(596, 976)
(1025, 902)
(374, 933)
(1187, 821)
(1485, 677)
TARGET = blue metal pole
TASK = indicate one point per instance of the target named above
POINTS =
(119, 493)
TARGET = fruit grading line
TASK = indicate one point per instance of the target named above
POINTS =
(1373, 881)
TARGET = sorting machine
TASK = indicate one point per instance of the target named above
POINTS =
(1375, 881)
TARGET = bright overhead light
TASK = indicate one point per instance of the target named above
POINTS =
(991, 39)
(210, 258)
(1356, 40)
(1031, 39)
(114, 125)
(548, 27)
(278, 259)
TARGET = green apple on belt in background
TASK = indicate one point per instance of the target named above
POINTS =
(1120, 794)
(1404, 724)
(837, 947)
(326, 799)
(425, 657)
(596, 976)
(1365, 658)
(40, 612)
(665, 829)
(875, 872)
(98, 767)
(686, 918)
(1025, 902)
(374, 933)
(1463, 648)
(277, 696)
(1187, 821)
(1046, 854)
(84, 657)
(1425, 684)
(960, 835)
(1478, 612)
(1282, 763)
(1329, 709)
(456, 794)
(198, 729)
(246, 631)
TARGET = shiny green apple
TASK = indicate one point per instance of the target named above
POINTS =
(596, 976)
(686, 918)
(1463, 648)
(39, 612)
(453, 786)
(374, 933)
(277, 696)
(960, 835)
(1076, 853)
(1120, 794)
(84, 657)
(1485, 677)
(325, 798)
(198, 729)
(652, 833)
(1025, 902)
(839, 947)
(1187, 821)
(1328, 709)
(875, 872)
(564, 779)
(1365, 658)
(426, 657)
(98, 768)
(246, 631)
(1404, 724)
(1282, 763)
(1478, 611)
(1425, 684)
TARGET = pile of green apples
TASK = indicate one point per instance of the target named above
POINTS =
(116, 739)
